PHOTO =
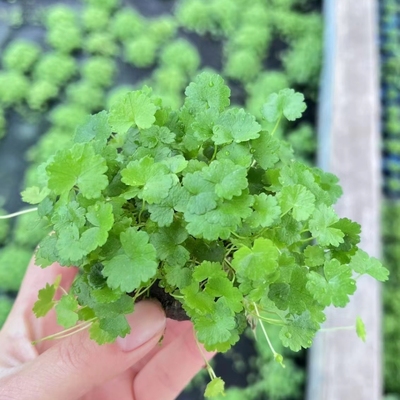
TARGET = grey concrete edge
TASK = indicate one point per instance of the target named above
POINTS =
(324, 128)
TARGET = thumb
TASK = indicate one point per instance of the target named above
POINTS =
(75, 365)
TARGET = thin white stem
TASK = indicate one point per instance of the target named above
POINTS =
(82, 328)
(66, 332)
(276, 125)
(16, 214)
(210, 369)
(63, 290)
(338, 328)
(277, 357)
(264, 330)
(271, 321)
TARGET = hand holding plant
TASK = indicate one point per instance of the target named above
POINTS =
(140, 366)
(204, 205)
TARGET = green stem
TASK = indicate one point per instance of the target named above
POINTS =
(141, 212)
(236, 235)
(82, 328)
(271, 321)
(274, 313)
(63, 290)
(261, 233)
(230, 247)
(215, 153)
(229, 250)
(306, 240)
(67, 332)
(232, 270)
(283, 214)
(264, 330)
(229, 264)
(338, 328)
(277, 356)
(210, 369)
(177, 296)
(276, 125)
(16, 214)
(143, 290)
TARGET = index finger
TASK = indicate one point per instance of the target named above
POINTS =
(35, 279)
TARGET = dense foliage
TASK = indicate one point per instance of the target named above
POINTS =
(390, 46)
(68, 80)
(391, 252)
(391, 85)
(205, 204)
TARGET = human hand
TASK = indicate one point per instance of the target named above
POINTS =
(134, 368)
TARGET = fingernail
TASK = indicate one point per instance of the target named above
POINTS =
(146, 321)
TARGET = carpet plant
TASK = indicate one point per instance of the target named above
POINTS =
(62, 74)
(205, 205)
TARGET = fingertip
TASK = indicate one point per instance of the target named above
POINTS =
(147, 321)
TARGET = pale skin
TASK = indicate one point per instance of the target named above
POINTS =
(135, 368)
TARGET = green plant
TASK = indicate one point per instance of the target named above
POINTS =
(182, 55)
(169, 79)
(391, 297)
(392, 127)
(59, 14)
(265, 84)
(204, 204)
(391, 112)
(140, 51)
(256, 14)
(242, 65)
(54, 139)
(162, 29)
(168, 83)
(117, 93)
(392, 146)
(40, 93)
(108, 5)
(84, 94)
(239, 25)
(67, 116)
(390, 221)
(266, 379)
(13, 88)
(101, 43)
(393, 183)
(20, 55)
(303, 141)
(55, 68)
(391, 66)
(95, 18)
(195, 16)
(251, 37)
(29, 230)
(13, 262)
(390, 47)
(127, 24)
(302, 66)
(390, 7)
(64, 38)
(393, 166)
(99, 71)
(218, 17)
(293, 25)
